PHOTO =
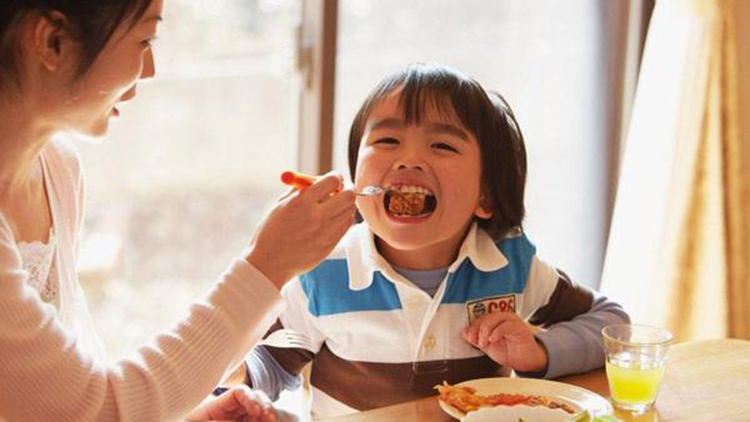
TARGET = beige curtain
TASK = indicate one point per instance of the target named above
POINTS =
(678, 252)
(738, 170)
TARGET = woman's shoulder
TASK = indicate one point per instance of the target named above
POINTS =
(61, 154)
(9, 256)
(64, 166)
(66, 179)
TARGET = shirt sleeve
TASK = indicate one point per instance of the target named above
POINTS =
(296, 317)
(274, 369)
(573, 316)
(46, 375)
(540, 283)
(575, 346)
(266, 374)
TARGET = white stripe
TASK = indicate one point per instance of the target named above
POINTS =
(371, 336)
(381, 336)
(542, 283)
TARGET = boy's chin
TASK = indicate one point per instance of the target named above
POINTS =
(402, 242)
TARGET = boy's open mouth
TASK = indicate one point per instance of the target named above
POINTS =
(409, 201)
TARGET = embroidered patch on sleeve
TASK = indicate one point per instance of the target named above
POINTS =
(477, 308)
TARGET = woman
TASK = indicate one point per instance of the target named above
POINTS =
(65, 65)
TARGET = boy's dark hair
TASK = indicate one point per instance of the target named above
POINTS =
(90, 22)
(487, 116)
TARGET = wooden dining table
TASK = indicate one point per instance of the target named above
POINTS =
(705, 380)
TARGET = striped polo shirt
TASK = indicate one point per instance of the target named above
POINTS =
(379, 340)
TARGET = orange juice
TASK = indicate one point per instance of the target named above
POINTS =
(634, 385)
(636, 356)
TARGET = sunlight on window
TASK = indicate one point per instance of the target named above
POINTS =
(546, 57)
(177, 187)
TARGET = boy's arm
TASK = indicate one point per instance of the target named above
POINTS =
(274, 369)
(575, 346)
(574, 316)
(265, 373)
(263, 370)
(567, 300)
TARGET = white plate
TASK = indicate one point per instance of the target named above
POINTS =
(516, 413)
(579, 398)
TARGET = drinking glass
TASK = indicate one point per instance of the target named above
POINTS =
(636, 358)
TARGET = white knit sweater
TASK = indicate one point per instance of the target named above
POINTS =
(49, 370)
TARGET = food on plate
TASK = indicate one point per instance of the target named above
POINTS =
(466, 399)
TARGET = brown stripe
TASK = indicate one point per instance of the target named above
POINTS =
(292, 360)
(275, 327)
(567, 301)
(367, 385)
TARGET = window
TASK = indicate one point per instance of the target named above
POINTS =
(177, 187)
(550, 59)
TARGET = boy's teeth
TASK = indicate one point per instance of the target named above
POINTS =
(411, 189)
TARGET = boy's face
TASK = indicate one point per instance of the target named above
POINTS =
(435, 169)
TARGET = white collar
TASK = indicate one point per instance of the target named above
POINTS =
(364, 260)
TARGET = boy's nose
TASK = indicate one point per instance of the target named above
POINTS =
(410, 158)
(409, 166)
(409, 161)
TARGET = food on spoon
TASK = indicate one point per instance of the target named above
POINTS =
(412, 201)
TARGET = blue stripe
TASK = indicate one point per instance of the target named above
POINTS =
(468, 283)
(328, 292)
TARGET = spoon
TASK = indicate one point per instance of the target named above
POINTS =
(301, 181)
(371, 190)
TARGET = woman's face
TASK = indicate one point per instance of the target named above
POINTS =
(112, 79)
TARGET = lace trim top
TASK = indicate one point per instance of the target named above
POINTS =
(38, 261)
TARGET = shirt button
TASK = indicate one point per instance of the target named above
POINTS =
(429, 342)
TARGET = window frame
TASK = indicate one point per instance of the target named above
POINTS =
(316, 63)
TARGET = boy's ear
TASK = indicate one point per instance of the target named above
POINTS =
(49, 40)
(484, 210)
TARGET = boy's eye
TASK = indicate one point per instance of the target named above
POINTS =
(388, 141)
(444, 146)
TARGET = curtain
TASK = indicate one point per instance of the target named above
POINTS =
(677, 254)
(738, 170)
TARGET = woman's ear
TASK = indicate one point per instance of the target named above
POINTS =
(483, 210)
(49, 40)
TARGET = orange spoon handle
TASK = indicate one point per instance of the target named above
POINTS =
(296, 179)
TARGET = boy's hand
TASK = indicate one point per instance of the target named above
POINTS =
(508, 341)
(239, 403)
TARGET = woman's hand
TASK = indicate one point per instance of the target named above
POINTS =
(508, 341)
(239, 403)
(302, 229)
